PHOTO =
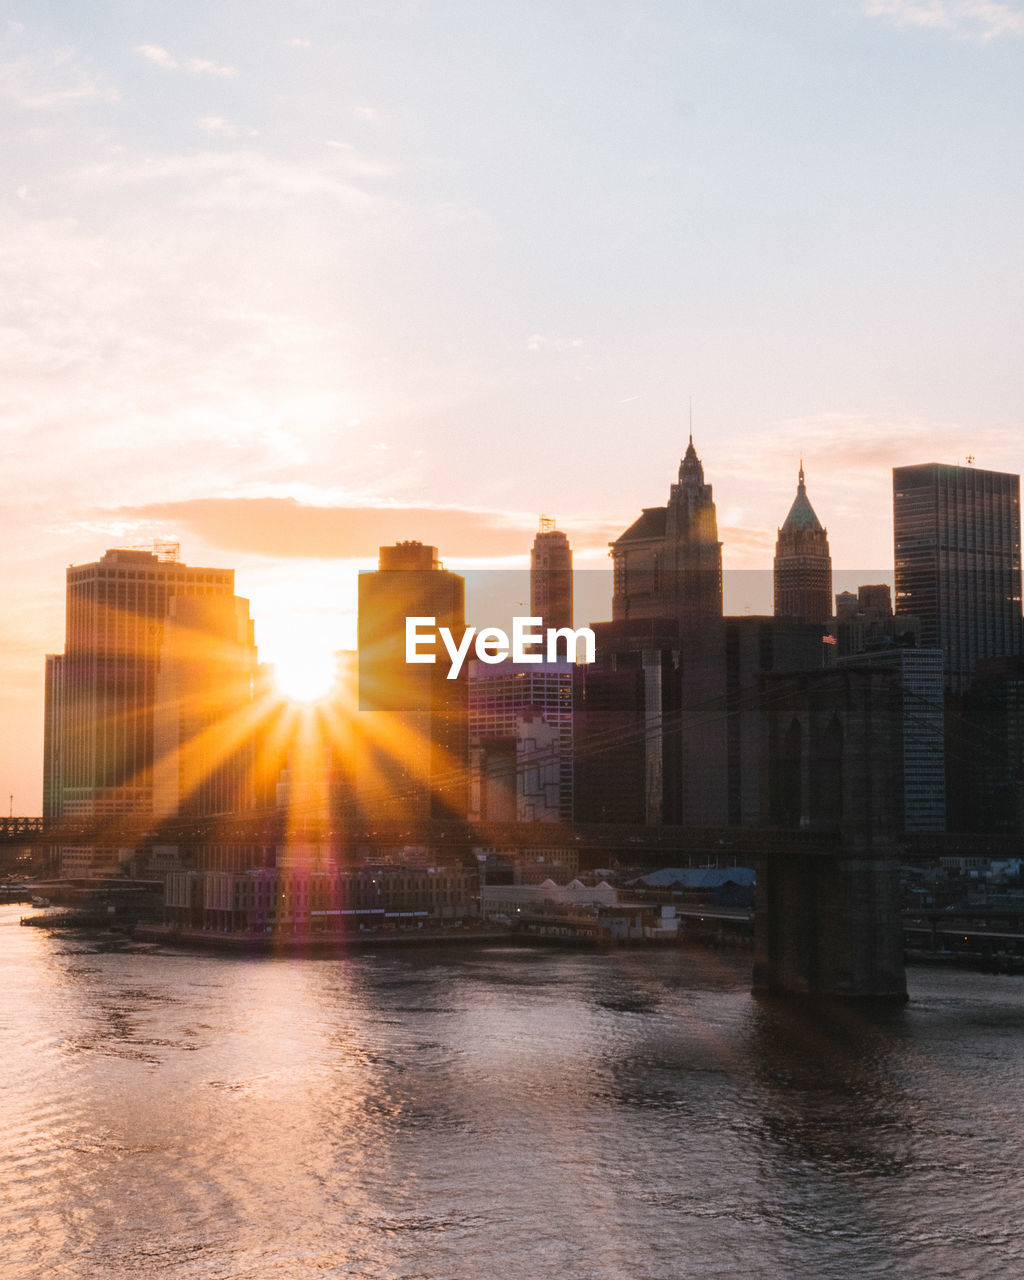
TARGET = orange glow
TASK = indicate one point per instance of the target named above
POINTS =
(305, 674)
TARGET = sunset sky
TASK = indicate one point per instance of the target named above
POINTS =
(287, 281)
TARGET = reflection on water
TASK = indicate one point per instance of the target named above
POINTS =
(469, 1114)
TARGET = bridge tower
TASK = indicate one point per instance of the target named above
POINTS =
(828, 909)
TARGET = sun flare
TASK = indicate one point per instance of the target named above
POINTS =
(305, 675)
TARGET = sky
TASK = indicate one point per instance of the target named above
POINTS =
(284, 282)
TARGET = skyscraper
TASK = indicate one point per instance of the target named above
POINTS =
(116, 717)
(416, 757)
(668, 564)
(508, 704)
(958, 562)
(551, 576)
(803, 566)
(203, 729)
(921, 747)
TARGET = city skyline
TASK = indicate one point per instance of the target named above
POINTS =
(306, 672)
(488, 294)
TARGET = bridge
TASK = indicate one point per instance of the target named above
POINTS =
(827, 919)
(20, 830)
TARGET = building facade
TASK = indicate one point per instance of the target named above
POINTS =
(551, 592)
(958, 562)
(803, 566)
(147, 708)
(865, 622)
(685, 748)
(414, 762)
(922, 723)
(272, 900)
(668, 564)
(125, 616)
(521, 741)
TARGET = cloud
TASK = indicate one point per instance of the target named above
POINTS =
(848, 458)
(856, 446)
(297, 42)
(52, 80)
(740, 541)
(216, 124)
(364, 113)
(982, 20)
(240, 179)
(157, 55)
(283, 527)
(161, 57)
(203, 67)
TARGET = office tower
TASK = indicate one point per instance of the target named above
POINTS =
(521, 741)
(203, 724)
(551, 576)
(648, 649)
(958, 562)
(875, 600)
(921, 753)
(105, 709)
(668, 564)
(803, 566)
(610, 741)
(414, 765)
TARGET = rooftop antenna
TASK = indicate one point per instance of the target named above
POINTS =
(691, 419)
(970, 459)
(161, 548)
(547, 523)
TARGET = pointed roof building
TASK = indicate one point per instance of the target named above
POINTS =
(668, 563)
(803, 564)
(801, 513)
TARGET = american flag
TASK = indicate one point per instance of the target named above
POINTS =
(829, 640)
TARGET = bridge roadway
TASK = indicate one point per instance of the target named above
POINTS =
(269, 828)
(272, 829)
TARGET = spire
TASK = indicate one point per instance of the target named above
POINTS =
(801, 513)
(690, 469)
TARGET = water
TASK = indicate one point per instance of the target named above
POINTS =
(510, 1113)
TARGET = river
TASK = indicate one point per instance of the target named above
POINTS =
(495, 1113)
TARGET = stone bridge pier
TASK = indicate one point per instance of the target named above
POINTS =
(828, 908)
(828, 925)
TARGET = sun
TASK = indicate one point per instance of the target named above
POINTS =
(305, 675)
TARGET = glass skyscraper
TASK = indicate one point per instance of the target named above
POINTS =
(958, 564)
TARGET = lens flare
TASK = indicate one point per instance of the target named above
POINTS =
(305, 675)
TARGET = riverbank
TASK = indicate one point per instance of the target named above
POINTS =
(305, 944)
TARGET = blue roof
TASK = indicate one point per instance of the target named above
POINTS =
(697, 877)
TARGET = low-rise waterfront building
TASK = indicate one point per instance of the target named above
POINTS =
(300, 901)
(505, 899)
